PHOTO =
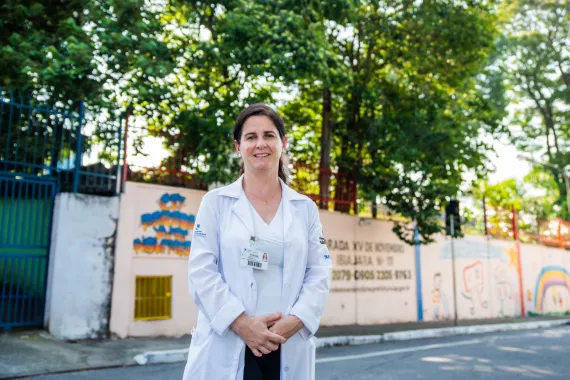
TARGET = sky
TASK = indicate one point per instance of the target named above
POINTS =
(507, 163)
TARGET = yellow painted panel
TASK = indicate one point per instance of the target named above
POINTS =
(153, 298)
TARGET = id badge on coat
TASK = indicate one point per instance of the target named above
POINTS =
(254, 258)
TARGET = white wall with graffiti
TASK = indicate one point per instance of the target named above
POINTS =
(373, 277)
(486, 279)
(376, 278)
(437, 282)
(155, 227)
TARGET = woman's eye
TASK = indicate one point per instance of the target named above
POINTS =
(269, 136)
(250, 137)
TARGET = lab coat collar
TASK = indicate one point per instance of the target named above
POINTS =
(235, 190)
(241, 207)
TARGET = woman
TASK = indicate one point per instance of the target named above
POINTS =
(257, 317)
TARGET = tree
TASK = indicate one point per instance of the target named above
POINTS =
(107, 53)
(536, 60)
(406, 106)
(236, 53)
(533, 199)
(500, 200)
(103, 52)
(542, 205)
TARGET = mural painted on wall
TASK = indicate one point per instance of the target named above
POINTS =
(439, 299)
(474, 286)
(552, 290)
(487, 279)
(503, 288)
(171, 228)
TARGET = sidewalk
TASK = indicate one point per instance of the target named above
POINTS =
(27, 353)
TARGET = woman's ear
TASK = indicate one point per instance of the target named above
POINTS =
(236, 145)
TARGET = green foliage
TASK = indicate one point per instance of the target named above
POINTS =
(410, 82)
(541, 205)
(535, 59)
(502, 196)
(107, 52)
(407, 106)
(528, 197)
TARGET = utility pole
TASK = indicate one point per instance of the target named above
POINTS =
(452, 228)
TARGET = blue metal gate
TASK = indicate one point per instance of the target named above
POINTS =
(26, 205)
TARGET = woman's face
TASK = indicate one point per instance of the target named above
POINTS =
(260, 146)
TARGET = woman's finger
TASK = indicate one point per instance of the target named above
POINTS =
(263, 350)
(276, 338)
(255, 352)
(271, 346)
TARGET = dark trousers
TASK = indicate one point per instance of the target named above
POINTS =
(267, 367)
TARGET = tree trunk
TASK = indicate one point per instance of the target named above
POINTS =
(326, 137)
(343, 190)
(347, 173)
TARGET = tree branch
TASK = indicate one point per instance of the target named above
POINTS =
(551, 34)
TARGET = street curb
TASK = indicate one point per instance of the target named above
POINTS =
(173, 356)
(436, 333)
(159, 357)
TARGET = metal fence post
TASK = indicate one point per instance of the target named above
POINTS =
(119, 169)
(78, 152)
(125, 151)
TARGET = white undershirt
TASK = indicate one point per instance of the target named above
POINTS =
(269, 281)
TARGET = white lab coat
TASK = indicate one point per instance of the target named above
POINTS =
(223, 289)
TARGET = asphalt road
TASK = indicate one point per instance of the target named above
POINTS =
(539, 354)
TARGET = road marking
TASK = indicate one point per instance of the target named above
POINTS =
(397, 351)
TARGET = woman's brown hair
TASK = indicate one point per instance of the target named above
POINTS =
(261, 110)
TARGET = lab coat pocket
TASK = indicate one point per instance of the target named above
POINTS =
(298, 358)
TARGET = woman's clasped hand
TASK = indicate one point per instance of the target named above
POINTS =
(255, 333)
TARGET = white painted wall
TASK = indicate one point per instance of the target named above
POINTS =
(138, 200)
(339, 230)
(437, 281)
(81, 265)
(486, 277)
(387, 293)
(486, 270)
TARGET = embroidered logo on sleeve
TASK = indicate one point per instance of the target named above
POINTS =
(327, 257)
(322, 238)
(198, 232)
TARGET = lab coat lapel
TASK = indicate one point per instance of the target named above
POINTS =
(241, 207)
(289, 209)
(290, 262)
(242, 210)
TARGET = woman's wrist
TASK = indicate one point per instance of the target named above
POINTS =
(237, 324)
(300, 323)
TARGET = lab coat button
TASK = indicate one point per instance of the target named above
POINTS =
(286, 369)
(286, 285)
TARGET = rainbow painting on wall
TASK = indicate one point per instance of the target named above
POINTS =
(549, 277)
